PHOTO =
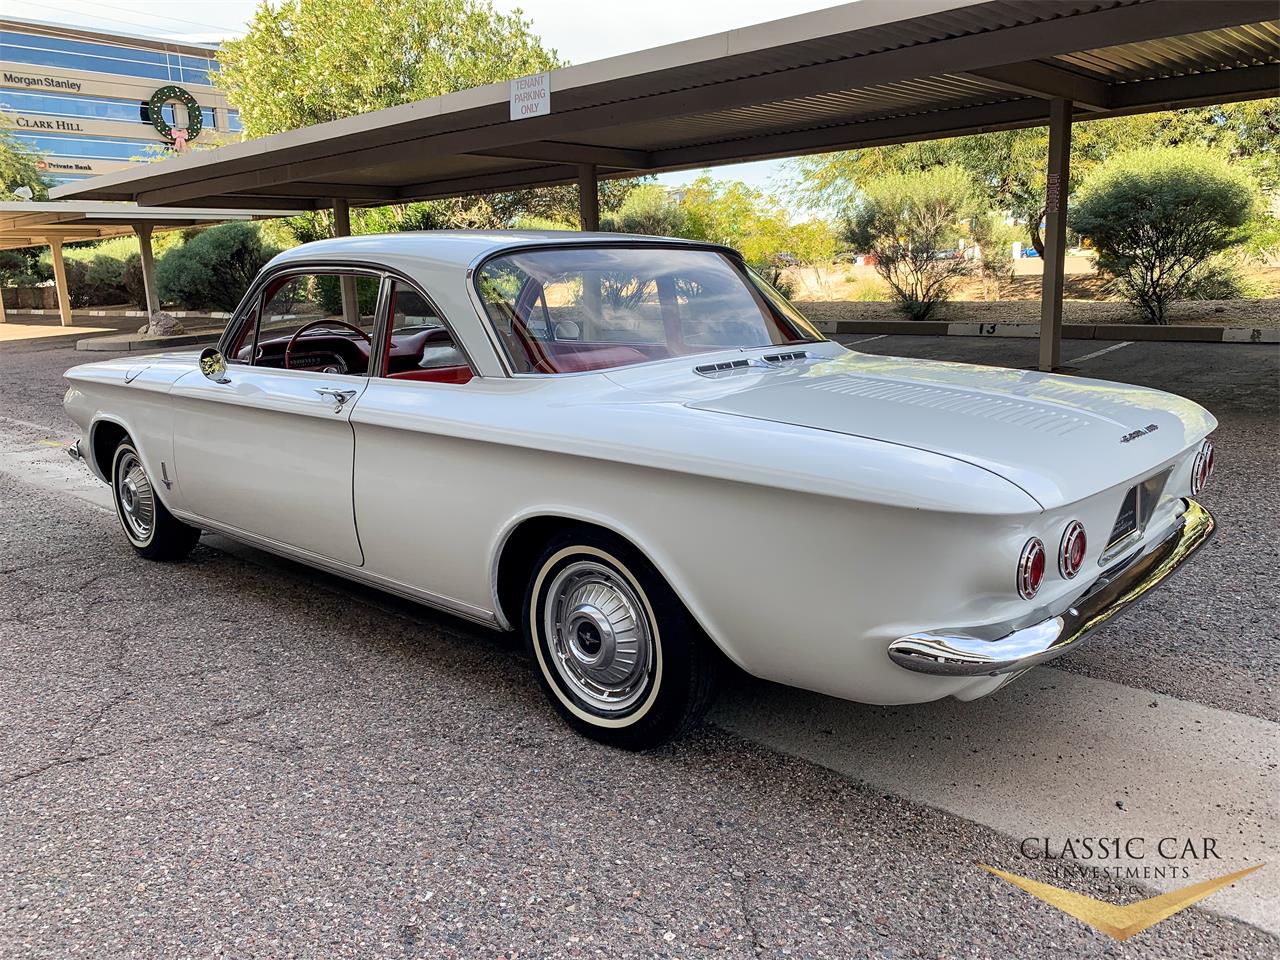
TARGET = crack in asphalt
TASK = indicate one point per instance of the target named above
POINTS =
(180, 734)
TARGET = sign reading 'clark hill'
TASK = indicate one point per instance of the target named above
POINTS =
(52, 83)
(45, 123)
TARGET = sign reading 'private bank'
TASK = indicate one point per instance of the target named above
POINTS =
(49, 83)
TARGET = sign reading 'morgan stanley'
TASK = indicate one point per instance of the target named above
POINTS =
(41, 80)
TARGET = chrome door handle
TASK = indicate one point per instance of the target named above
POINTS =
(339, 397)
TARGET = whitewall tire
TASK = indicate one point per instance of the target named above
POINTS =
(151, 530)
(615, 650)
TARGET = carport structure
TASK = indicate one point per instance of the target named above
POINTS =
(35, 223)
(862, 74)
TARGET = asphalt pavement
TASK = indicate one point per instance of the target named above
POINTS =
(238, 756)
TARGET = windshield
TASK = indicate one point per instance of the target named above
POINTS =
(570, 309)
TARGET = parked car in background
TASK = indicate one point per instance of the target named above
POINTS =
(638, 454)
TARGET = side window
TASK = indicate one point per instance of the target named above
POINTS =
(420, 346)
(315, 321)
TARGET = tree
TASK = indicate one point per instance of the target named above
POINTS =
(1159, 217)
(757, 225)
(650, 210)
(311, 61)
(1008, 167)
(19, 167)
(910, 222)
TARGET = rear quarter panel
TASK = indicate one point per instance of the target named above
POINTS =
(796, 580)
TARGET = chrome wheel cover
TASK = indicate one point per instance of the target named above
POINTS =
(135, 498)
(598, 636)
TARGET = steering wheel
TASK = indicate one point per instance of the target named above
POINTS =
(325, 322)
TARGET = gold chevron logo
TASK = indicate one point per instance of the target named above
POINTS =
(1121, 922)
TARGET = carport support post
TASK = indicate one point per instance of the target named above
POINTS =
(60, 282)
(143, 230)
(342, 228)
(1055, 234)
(588, 197)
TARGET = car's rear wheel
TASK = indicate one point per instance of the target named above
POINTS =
(617, 653)
(150, 529)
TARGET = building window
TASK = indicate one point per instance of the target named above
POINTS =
(93, 148)
(52, 52)
(95, 108)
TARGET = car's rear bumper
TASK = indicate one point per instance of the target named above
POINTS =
(961, 653)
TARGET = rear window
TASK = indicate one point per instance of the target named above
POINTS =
(570, 309)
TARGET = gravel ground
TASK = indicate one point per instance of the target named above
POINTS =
(226, 757)
(237, 756)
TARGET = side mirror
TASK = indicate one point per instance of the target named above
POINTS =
(213, 365)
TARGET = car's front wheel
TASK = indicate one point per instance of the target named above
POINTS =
(152, 530)
(617, 653)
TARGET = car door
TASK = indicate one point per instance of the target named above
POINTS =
(270, 451)
(423, 520)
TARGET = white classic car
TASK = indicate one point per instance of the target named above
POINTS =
(640, 455)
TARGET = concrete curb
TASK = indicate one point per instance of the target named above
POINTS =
(180, 314)
(1070, 331)
(131, 342)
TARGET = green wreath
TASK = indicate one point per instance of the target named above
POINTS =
(195, 121)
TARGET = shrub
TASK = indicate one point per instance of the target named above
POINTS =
(650, 210)
(995, 240)
(329, 295)
(1216, 280)
(77, 272)
(213, 268)
(1158, 218)
(134, 286)
(105, 282)
(15, 269)
(906, 220)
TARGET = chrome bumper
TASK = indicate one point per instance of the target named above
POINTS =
(956, 653)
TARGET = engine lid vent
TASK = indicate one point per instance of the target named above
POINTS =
(724, 368)
(789, 357)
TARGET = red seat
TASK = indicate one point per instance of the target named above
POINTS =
(458, 374)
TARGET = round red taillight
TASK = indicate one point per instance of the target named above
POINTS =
(1071, 552)
(1202, 469)
(1030, 569)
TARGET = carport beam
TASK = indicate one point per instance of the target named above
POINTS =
(143, 230)
(588, 197)
(1055, 233)
(60, 282)
(342, 228)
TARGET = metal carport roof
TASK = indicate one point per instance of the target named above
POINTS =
(859, 74)
(33, 223)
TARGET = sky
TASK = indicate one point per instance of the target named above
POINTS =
(561, 24)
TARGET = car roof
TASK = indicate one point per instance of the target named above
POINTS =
(464, 247)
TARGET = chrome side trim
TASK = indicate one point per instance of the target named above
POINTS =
(409, 592)
(957, 653)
